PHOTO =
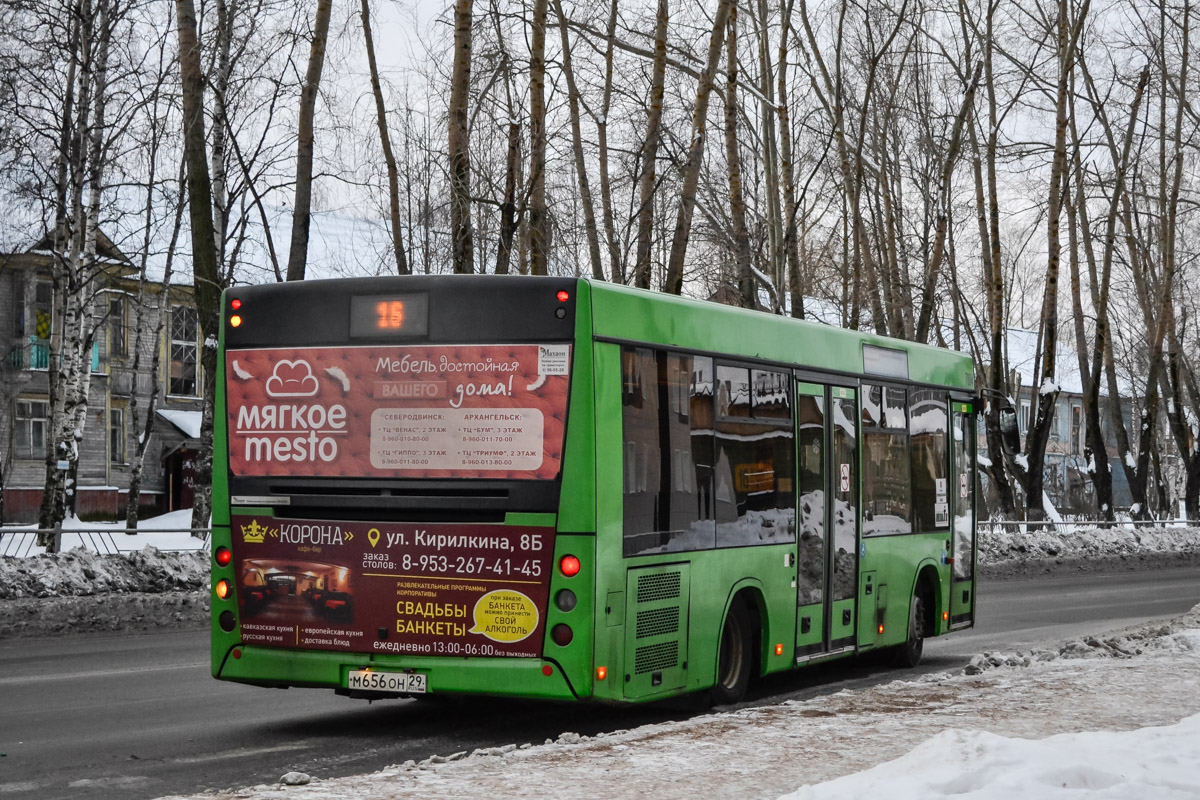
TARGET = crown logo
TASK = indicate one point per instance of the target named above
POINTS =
(255, 533)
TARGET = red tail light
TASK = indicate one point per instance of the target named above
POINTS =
(223, 556)
(569, 566)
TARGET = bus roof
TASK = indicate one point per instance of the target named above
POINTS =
(622, 313)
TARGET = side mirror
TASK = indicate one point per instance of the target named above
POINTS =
(1010, 437)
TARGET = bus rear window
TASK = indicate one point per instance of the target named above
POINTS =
(421, 411)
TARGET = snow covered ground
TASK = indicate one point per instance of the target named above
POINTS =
(1117, 717)
(1113, 716)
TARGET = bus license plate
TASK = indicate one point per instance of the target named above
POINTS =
(363, 680)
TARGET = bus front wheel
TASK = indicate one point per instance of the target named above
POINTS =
(736, 656)
(909, 653)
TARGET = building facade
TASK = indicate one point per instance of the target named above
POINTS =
(127, 316)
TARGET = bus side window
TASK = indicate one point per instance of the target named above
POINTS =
(887, 479)
(755, 483)
(928, 428)
(667, 433)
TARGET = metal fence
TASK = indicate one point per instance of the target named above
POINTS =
(22, 542)
(1074, 525)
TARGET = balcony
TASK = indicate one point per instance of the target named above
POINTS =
(34, 354)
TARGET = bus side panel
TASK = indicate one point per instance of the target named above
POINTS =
(894, 563)
(610, 583)
(222, 641)
(577, 504)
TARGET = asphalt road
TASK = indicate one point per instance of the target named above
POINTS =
(140, 717)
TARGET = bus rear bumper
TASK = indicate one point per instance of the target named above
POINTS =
(280, 668)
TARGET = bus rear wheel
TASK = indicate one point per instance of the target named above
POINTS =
(736, 657)
(909, 653)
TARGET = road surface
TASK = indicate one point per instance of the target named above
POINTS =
(140, 717)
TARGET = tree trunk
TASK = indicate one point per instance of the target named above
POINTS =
(791, 241)
(385, 142)
(539, 222)
(691, 168)
(581, 173)
(462, 247)
(302, 207)
(206, 275)
(934, 268)
(737, 203)
(649, 155)
(616, 262)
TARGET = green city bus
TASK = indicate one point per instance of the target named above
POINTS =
(564, 488)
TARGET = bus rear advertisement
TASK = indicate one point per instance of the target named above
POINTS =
(562, 488)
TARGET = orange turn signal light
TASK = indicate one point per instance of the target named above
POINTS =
(236, 320)
(945, 616)
(779, 649)
(601, 673)
(222, 588)
(881, 629)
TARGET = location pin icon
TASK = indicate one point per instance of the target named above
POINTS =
(373, 536)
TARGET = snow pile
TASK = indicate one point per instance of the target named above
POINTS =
(977, 765)
(182, 563)
(1179, 635)
(83, 572)
(1067, 542)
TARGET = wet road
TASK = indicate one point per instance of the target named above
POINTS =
(140, 717)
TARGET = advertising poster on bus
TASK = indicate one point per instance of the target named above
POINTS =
(422, 411)
(457, 590)
(395, 411)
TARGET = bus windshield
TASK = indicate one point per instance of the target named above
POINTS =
(405, 411)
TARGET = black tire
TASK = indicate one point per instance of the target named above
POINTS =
(909, 653)
(736, 657)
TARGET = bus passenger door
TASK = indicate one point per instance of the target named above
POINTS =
(827, 547)
(962, 591)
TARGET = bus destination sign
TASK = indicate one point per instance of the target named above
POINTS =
(403, 588)
(418, 411)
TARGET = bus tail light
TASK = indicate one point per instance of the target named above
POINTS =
(235, 303)
(236, 320)
(223, 556)
(563, 295)
(569, 566)
(562, 634)
(222, 588)
(566, 600)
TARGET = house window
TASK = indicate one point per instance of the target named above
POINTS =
(1077, 442)
(116, 435)
(118, 343)
(33, 418)
(184, 349)
(42, 315)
